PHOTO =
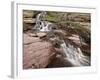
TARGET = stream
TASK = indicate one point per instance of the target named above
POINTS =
(73, 54)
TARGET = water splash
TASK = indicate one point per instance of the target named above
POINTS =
(42, 25)
(74, 55)
(45, 26)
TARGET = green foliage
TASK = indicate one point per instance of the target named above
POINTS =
(51, 17)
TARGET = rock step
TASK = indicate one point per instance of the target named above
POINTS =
(28, 14)
(29, 20)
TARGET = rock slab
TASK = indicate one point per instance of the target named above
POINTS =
(37, 53)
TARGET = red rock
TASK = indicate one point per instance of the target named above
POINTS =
(75, 38)
(41, 34)
(37, 54)
(28, 39)
(28, 14)
(29, 20)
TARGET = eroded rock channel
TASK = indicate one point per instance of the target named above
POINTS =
(48, 45)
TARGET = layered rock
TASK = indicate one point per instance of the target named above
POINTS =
(29, 20)
(27, 13)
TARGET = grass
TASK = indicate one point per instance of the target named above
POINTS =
(50, 19)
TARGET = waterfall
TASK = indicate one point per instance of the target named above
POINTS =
(42, 25)
(45, 26)
(74, 55)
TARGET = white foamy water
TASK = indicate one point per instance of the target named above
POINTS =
(74, 55)
(42, 25)
(45, 26)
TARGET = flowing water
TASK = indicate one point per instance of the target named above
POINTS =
(73, 55)
(42, 25)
